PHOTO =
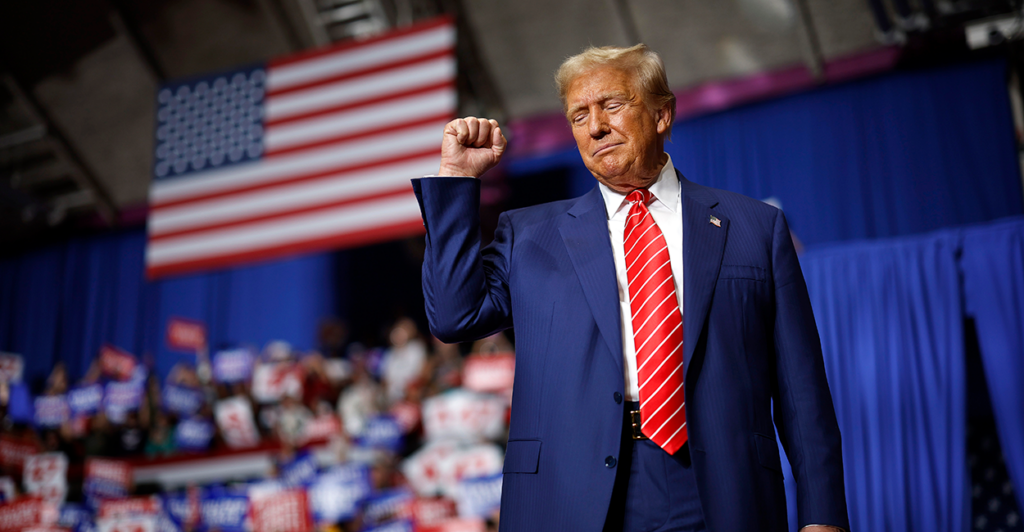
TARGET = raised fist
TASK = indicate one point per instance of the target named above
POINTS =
(471, 146)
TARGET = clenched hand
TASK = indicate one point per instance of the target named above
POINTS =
(471, 146)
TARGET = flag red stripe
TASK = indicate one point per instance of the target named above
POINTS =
(405, 189)
(300, 178)
(423, 58)
(350, 46)
(362, 103)
(355, 136)
(402, 229)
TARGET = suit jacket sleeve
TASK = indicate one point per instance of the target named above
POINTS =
(804, 413)
(466, 289)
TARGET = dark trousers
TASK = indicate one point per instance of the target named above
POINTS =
(654, 491)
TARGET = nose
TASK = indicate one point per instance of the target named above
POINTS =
(598, 124)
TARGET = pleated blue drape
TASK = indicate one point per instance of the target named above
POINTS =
(993, 271)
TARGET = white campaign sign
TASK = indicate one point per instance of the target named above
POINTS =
(234, 417)
(437, 468)
(463, 415)
(45, 475)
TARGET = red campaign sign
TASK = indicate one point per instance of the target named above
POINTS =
(432, 512)
(322, 428)
(126, 507)
(135, 523)
(13, 452)
(116, 362)
(114, 471)
(466, 524)
(407, 415)
(489, 373)
(284, 511)
(185, 334)
(47, 529)
(27, 513)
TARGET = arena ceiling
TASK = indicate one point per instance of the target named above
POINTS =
(78, 78)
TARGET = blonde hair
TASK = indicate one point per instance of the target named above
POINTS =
(643, 64)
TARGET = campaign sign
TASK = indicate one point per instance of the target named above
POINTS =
(225, 511)
(26, 513)
(464, 524)
(270, 382)
(194, 434)
(464, 415)
(51, 411)
(45, 476)
(135, 523)
(299, 472)
(335, 496)
(479, 497)
(106, 479)
(382, 432)
(234, 418)
(117, 363)
(182, 400)
(430, 512)
(85, 400)
(185, 334)
(183, 508)
(151, 505)
(123, 396)
(489, 373)
(401, 525)
(321, 428)
(387, 505)
(233, 365)
(12, 366)
(439, 467)
(285, 511)
(74, 517)
(14, 452)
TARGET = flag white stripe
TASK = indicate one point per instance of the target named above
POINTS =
(347, 61)
(362, 150)
(352, 90)
(279, 199)
(282, 231)
(378, 116)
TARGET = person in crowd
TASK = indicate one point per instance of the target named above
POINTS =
(404, 359)
(362, 399)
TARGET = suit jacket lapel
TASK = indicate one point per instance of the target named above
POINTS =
(585, 235)
(703, 249)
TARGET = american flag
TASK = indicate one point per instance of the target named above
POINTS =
(304, 153)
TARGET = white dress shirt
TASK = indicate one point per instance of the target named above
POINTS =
(667, 210)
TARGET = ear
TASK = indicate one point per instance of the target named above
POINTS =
(664, 117)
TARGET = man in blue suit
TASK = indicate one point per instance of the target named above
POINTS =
(583, 451)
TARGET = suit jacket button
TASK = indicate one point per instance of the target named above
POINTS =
(609, 462)
(618, 398)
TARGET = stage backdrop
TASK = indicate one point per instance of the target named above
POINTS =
(897, 154)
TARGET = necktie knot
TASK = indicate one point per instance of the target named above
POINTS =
(640, 195)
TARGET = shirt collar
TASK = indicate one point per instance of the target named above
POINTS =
(665, 190)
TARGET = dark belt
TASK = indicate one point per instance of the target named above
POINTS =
(633, 424)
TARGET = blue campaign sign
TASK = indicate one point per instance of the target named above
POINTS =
(336, 495)
(386, 505)
(182, 400)
(85, 400)
(20, 408)
(99, 489)
(74, 517)
(225, 510)
(299, 472)
(479, 497)
(123, 395)
(194, 434)
(400, 525)
(233, 365)
(382, 432)
(51, 410)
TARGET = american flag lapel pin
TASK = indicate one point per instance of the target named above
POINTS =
(715, 221)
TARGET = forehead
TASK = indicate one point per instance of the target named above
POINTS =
(598, 84)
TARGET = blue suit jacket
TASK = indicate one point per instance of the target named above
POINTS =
(750, 338)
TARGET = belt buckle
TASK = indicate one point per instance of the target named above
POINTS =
(634, 418)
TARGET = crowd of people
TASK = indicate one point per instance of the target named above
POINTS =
(390, 413)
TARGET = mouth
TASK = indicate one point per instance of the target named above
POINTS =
(603, 149)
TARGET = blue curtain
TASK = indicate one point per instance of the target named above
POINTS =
(899, 154)
(993, 271)
(889, 314)
(63, 302)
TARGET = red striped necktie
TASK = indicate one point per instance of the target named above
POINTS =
(657, 327)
